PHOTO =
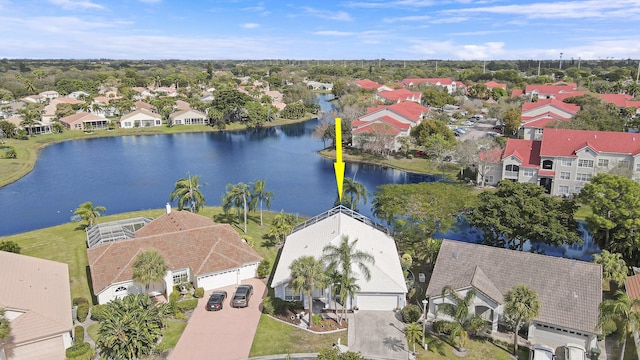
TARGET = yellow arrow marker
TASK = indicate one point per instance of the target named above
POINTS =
(338, 166)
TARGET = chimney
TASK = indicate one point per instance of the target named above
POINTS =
(168, 208)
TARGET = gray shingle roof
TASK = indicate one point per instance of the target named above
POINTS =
(570, 291)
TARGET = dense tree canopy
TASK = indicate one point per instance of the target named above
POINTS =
(594, 114)
(437, 97)
(615, 218)
(430, 127)
(518, 212)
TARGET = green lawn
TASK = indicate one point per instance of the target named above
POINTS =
(92, 331)
(67, 243)
(273, 337)
(172, 334)
(477, 350)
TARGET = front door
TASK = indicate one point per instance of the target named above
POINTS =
(546, 184)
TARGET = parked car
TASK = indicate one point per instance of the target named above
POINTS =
(574, 352)
(541, 352)
(421, 153)
(242, 295)
(216, 300)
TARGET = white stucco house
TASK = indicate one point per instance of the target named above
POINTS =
(570, 291)
(189, 117)
(140, 118)
(196, 250)
(386, 289)
(36, 297)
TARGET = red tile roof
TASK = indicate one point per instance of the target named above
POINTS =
(565, 95)
(367, 84)
(81, 117)
(492, 84)
(375, 127)
(541, 120)
(632, 286)
(184, 240)
(528, 151)
(400, 94)
(549, 89)
(546, 172)
(620, 100)
(562, 142)
(570, 108)
(356, 124)
(517, 92)
(437, 81)
(409, 109)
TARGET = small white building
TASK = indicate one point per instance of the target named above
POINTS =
(385, 291)
(189, 117)
(140, 118)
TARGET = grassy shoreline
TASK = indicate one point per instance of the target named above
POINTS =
(12, 170)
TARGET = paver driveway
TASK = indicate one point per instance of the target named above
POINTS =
(226, 334)
(377, 335)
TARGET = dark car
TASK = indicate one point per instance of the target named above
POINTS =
(242, 295)
(216, 300)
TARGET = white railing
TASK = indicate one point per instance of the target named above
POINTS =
(336, 210)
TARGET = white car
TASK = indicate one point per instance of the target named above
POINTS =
(541, 352)
(574, 352)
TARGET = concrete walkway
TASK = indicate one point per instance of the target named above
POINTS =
(226, 334)
(377, 335)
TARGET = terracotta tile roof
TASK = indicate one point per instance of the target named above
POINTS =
(493, 154)
(142, 111)
(570, 291)
(376, 127)
(66, 100)
(81, 117)
(185, 240)
(400, 94)
(528, 151)
(182, 105)
(409, 109)
(101, 99)
(562, 142)
(40, 289)
(182, 112)
(143, 105)
(620, 100)
(565, 95)
(516, 93)
(548, 89)
(437, 81)
(367, 84)
(492, 84)
(571, 108)
(632, 286)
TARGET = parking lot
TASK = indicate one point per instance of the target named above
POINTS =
(477, 130)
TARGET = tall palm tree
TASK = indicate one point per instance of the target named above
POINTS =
(281, 226)
(622, 310)
(131, 327)
(459, 310)
(149, 267)
(306, 274)
(348, 289)
(187, 191)
(238, 196)
(342, 258)
(259, 193)
(613, 267)
(89, 212)
(521, 304)
(413, 332)
(353, 192)
(5, 327)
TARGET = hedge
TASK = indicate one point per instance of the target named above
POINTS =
(78, 349)
(198, 293)
(174, 296)
(276, 306)
(186, 305)
(264, 269)
(97, 312)
(80, 300)
(83, 311)
(443, 326)
(89, 355)
(411, 313)
(78, 334)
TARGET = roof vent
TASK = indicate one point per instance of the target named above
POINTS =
(454, 254)
(595, 136)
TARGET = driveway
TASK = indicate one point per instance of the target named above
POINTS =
(377, 335)
(225, 334)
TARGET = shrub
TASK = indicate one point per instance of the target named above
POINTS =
(83, 311)
(264, 268)
(89, 355)
(174, 296)
(97, 311)
(275, 306)
(316, 320)
(77, 349)
(78, 334)
(187, 305)
(10, 246)
(11, 154)
(442, 326)
(80, 300)
(198, 293)
(411, 313)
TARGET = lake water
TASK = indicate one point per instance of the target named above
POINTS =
(139, 172)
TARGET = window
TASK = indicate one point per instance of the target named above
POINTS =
(512, 168)
(180, 276)
(603, 162)
(529, 172)
(567, 162)
(547, 164)
(638, 167)
(563, 189)
(623, 164)
(290, 296)
(577, 189)
(565, 175)
(585, 163)
(583, 177)
(489, 179)
(127, 124)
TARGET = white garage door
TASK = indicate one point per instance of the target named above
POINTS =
(218, 280)
(51, 349)
(377, 302)
(555, 338)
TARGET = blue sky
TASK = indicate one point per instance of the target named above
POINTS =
(348, 29)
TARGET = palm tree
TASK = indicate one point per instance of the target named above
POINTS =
(522, 305)
(238, 196)
(187, 191)
(306, 274)
(89, 212)
(622, 310)
(5, 327)
(281, 226)
(413, 332)
(149, 267)
(353, 192)
(458, 336)
(131, 327)
(459, 310)
(348, 289)
(613, 267)
(258, 193)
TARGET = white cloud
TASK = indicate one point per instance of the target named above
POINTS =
(333, 33)
(250, 25)
(330, 15)
(561, 10)
(451, 50)
(391, 4)
(74, 4)
(406, 19)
